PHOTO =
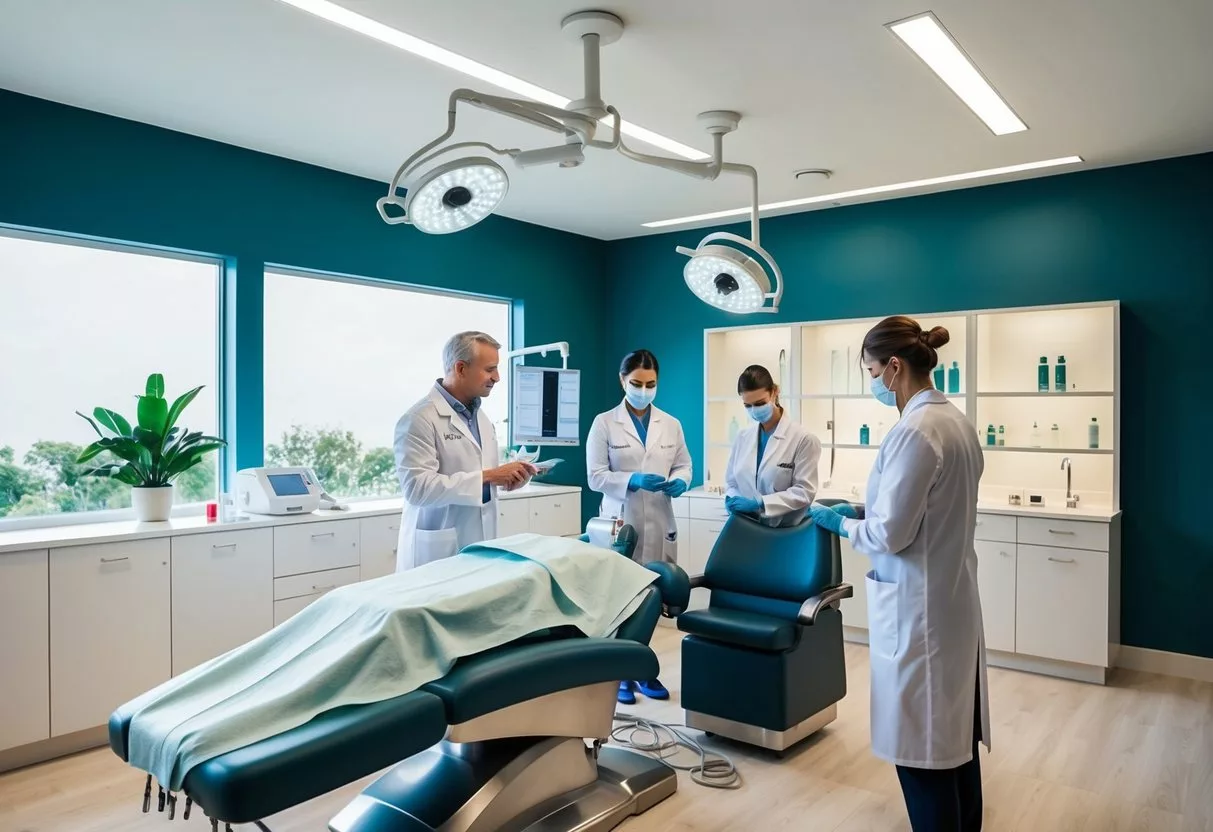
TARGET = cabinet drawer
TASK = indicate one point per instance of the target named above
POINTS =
(703, 538)
(377, 538)
(311, 547)
(682, 506)
(996, 584)
(558, 515)
(1061, 604)
(223, 584)
(854, 567)
(709, 508)
(997, 527)
(285, 609)
(314, 583)
(1068, 534)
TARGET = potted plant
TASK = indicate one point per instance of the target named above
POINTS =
(155, 451)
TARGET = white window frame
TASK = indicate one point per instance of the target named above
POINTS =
(80, 518)
(382, 283)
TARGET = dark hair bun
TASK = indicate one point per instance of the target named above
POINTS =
(936, 337)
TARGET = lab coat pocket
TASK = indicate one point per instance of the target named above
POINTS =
(882, 616)
(434, 545)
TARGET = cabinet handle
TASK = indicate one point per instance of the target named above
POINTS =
(1061, 531)
(323, 588)
(393, 528)
(1062, 560)
(555, 505)
(224, 546)
(114, 560)
(323, 534)
(1005, 554)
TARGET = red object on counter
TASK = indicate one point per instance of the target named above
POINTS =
(212, 512)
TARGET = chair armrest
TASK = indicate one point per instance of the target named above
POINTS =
(827, 598)
(698, 581)
(673, 585)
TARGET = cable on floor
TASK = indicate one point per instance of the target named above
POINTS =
(663, 740)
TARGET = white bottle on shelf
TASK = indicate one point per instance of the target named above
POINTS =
(1055, 436)
(1034, 440)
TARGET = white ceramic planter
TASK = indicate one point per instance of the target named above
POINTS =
(152, 504)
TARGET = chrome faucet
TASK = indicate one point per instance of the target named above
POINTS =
(1071, 499)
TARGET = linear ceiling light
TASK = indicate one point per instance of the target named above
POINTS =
(394, 37)
(879, 189)
(931, 42)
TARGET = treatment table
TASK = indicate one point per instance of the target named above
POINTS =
(498, 743)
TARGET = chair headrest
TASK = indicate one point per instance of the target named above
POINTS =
(789, 563)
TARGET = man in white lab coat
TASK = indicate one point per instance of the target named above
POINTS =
(447, 458)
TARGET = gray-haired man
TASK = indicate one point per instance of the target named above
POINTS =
(446, 458)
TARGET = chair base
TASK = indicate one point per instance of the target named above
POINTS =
(762, 737)
(548, 784)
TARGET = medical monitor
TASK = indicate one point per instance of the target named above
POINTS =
(546, 406)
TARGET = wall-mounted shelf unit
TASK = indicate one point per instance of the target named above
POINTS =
(989, 369)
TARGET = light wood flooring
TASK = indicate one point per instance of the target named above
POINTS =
(1134, 755)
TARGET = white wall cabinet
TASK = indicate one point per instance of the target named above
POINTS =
(222, 593)
(109, 628)
(24, 648)
(1062, 606)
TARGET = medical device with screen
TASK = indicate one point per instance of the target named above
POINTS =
(287, 490)
(546, 406)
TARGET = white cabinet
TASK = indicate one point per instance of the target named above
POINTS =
(311, 547)
(559, 515)
(996, 586)
(109, 628)
(1061, 609)
(222, 593)
(854, 567)
(513, 517)
(378, 537)
(24, 648)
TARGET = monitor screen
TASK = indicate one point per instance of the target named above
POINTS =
(287, 485)
(546, 406)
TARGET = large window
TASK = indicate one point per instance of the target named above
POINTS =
(344, 359)
(82, 326)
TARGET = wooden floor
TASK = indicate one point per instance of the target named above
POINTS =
(1134, 755)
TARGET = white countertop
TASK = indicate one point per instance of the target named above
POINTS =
(86, 533)
(1101, 514)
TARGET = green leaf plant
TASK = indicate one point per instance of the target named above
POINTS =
(154, 450)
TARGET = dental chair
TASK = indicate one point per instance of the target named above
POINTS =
(499, 743)
(763, 663)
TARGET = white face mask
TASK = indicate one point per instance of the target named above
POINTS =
(640, 397)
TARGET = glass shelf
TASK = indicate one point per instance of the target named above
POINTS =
(1018, 450)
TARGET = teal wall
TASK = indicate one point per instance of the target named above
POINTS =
(1141, 234)
(70, 170)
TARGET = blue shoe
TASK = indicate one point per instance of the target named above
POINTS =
(626, 696)
(653, 689)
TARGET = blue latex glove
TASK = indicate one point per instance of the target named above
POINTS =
(828, 519)
(645, 482)
(845, 509)
(675, 487)
(742, 505)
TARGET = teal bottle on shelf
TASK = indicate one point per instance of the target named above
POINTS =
(1060, 374)
(939, 371)
(991, 436)
(1042, 375)
(1093, 434)
(954, 378)
(864, 434)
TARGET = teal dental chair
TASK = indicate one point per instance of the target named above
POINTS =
(763, 663)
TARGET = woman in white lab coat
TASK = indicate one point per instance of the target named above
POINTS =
(929, 701)
(638, 459)
(772, 470)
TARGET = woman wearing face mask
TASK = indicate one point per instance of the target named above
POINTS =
(930, 706)
(637, 458)
(772, 469)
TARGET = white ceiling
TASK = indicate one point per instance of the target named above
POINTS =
(820, 83)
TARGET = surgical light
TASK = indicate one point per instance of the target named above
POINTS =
(729, 278)
(456, 195)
